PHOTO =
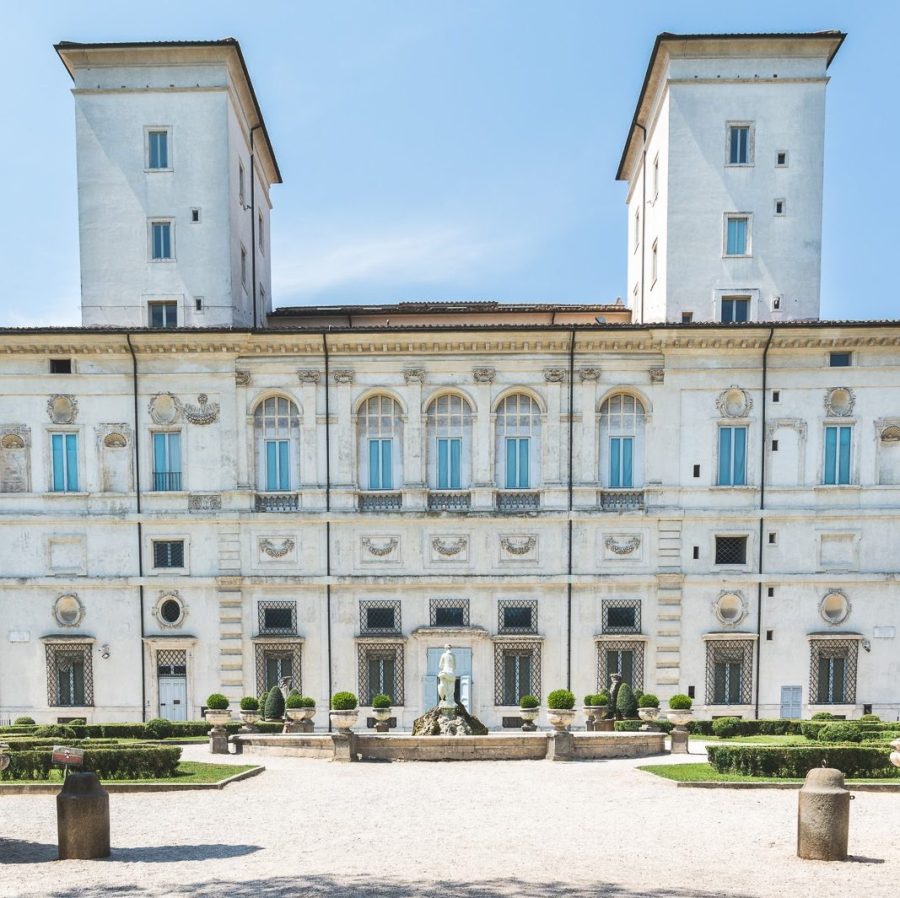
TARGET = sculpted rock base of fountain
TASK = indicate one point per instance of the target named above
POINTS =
(443, 722)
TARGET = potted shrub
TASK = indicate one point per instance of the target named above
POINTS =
(594, 709)
(217, 712)
(680, 709)
(561, 709)
(275, 704)
(381, 709)
(249, 713)
(344, 711)
(529, 708)
(648, 707)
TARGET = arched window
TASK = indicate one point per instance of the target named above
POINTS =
(449, 422)
(518, 443)
(622, 442)
(277, 425)
(380, 444)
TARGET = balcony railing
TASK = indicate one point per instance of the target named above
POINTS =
(166, 481)
(380, 501)
(276, 502)
(515, 501)
(456, 500)
(621, 500)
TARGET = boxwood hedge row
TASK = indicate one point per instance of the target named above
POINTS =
(179, 729)
(797, 760)
(144, 762)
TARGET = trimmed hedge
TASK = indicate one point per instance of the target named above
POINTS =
(632, 726)
(146, 762)
(798, 760)
(29, 743)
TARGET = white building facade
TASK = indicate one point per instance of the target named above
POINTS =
(707, 508)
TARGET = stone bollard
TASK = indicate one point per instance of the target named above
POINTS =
(604, 726)
(679, 737)
(343, 745)
(82, 818)
(560, 746)
(823, 820)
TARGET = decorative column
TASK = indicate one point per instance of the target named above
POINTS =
(343, 439)
(313, 496)
(552, 442)
(244, 441)
(482, 442)
(588, 466)
(413, 442)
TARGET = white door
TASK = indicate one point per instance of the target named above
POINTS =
(790, 701)
(173, 698)
(463, 677)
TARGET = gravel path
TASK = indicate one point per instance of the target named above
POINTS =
(517, 828)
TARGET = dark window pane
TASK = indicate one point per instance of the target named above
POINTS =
(620, 617)
(380, 618)
(170, 611)
(731, 550)
(278, 619)
(517, 617)
(449, 617)
(839, 359)
(168, 553)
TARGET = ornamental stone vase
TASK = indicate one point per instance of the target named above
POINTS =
(648, 714)
(249, 719)
(382, 716)
(593, 713)
(680, 717)
(218, 738)
(343, 721)
(561, 718)
(529, 716)
(679, 736)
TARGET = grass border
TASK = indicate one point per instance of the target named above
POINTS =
(739, 782)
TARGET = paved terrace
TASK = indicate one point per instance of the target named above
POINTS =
(508, 828)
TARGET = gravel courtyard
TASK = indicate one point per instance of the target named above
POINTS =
(307, 827)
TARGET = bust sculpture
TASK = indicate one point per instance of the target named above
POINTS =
(447, 680)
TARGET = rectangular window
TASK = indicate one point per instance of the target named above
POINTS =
(732, 456)
(381, 467)
(687, 317)
(621, 661)
(654, 262)
(64, 452)
(380, 672)
(517, 616)
(381, 677)
(377, 616)
(839, 359)
(621, 616)
(158, 149)
(621, 455)
(277, 617)
(737, 234)
(656, 177)
(166, 462)
(837, 455)
(780, 206)
(832, 675)
(163, 314)
(781, 159)
(450, 616)
(60, 366)
(739, 145)
(731, 550)
(729, 671)
(517, 457)
(261, 240)
(727, 690)
(168, 553)
(449, 455)
(70, 680)
(278, 465)
(735, 308)
(161, 241)
(243, 266)
(516, 676)
(832, 680)
(279, 666)
(241, 182)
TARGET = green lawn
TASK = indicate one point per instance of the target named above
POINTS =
(705, 773)
(188, 772)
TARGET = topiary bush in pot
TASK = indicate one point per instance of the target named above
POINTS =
(274, 704)
(681, 702)
(561, 700)
(527, 702)
(307, 701)
(262, 704)
(381, 701)
(249, 703)
(626, 704)
(343, 701)
(217, 702)
(648, 700)
(293, 701)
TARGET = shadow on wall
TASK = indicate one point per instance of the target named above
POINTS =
(282, 887)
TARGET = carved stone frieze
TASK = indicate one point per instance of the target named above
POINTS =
(588, 374)
(414, 375)
(276, 550)
(449, 548)
(518, 547)
(382, 549)
(484, 375)
(309, 375)
(797, 424)
(204, 502)
(839, 402)
(15, 436)
(343, 375)
(242, 378)
(622, 545)
(657, 375)
(164, 408)
(62, 408)
(205, 412)
(734, 402)
(555, 375)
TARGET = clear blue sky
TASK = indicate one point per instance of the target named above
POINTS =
(444, 150)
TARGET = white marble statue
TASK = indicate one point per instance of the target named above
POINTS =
(447, 680)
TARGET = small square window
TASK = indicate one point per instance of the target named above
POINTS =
(771, 592)
(163, 314)
(278, 617)
(773, 538)
(621, 616)
(735, 308)
(449, 616)
(696, 553)
(687, 317)
(776, 395)
(781, 159)
(839, 359)
(696, 470)
(168, 553)
(774, 445)
(517, 617)
(198, 303)
(60, 366)
(780, 207)
(691, 692)
(770, 635)
(379, 616)
(731, 550)
(195, 215)
(776, 303)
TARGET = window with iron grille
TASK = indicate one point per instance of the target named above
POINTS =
(168, 553)
(171, 663)
(379, 616)
(380, 671)
(832, 671)
(517, 616)
(625, 658)
(277, 617)
(729, 672)
(621, 615)
(449, 612)
(517, 671)
(731, 550)
(70, 679)
(277, 662)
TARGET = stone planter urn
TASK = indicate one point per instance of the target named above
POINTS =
(561, 718)
(679, 735)
(343, 721)
(249, 719)
(382, 716)
(680, 718)
(593, 713)
(529, 716)
(218, 738)
(649, 716)
(895, 754)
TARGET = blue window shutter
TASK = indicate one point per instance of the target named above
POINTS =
(615, 470)
(742, 307)
(740, 456)
(387, 464)
(627, 462)
(511, 456)
(844, 461)
(71, 462)
(56, 442)
(455, 464)
(443, 478)
(524, 473)
(830, 454)
(271, 465)
(167, 241)
(159, 453)
(284, 465)
(725, 456)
